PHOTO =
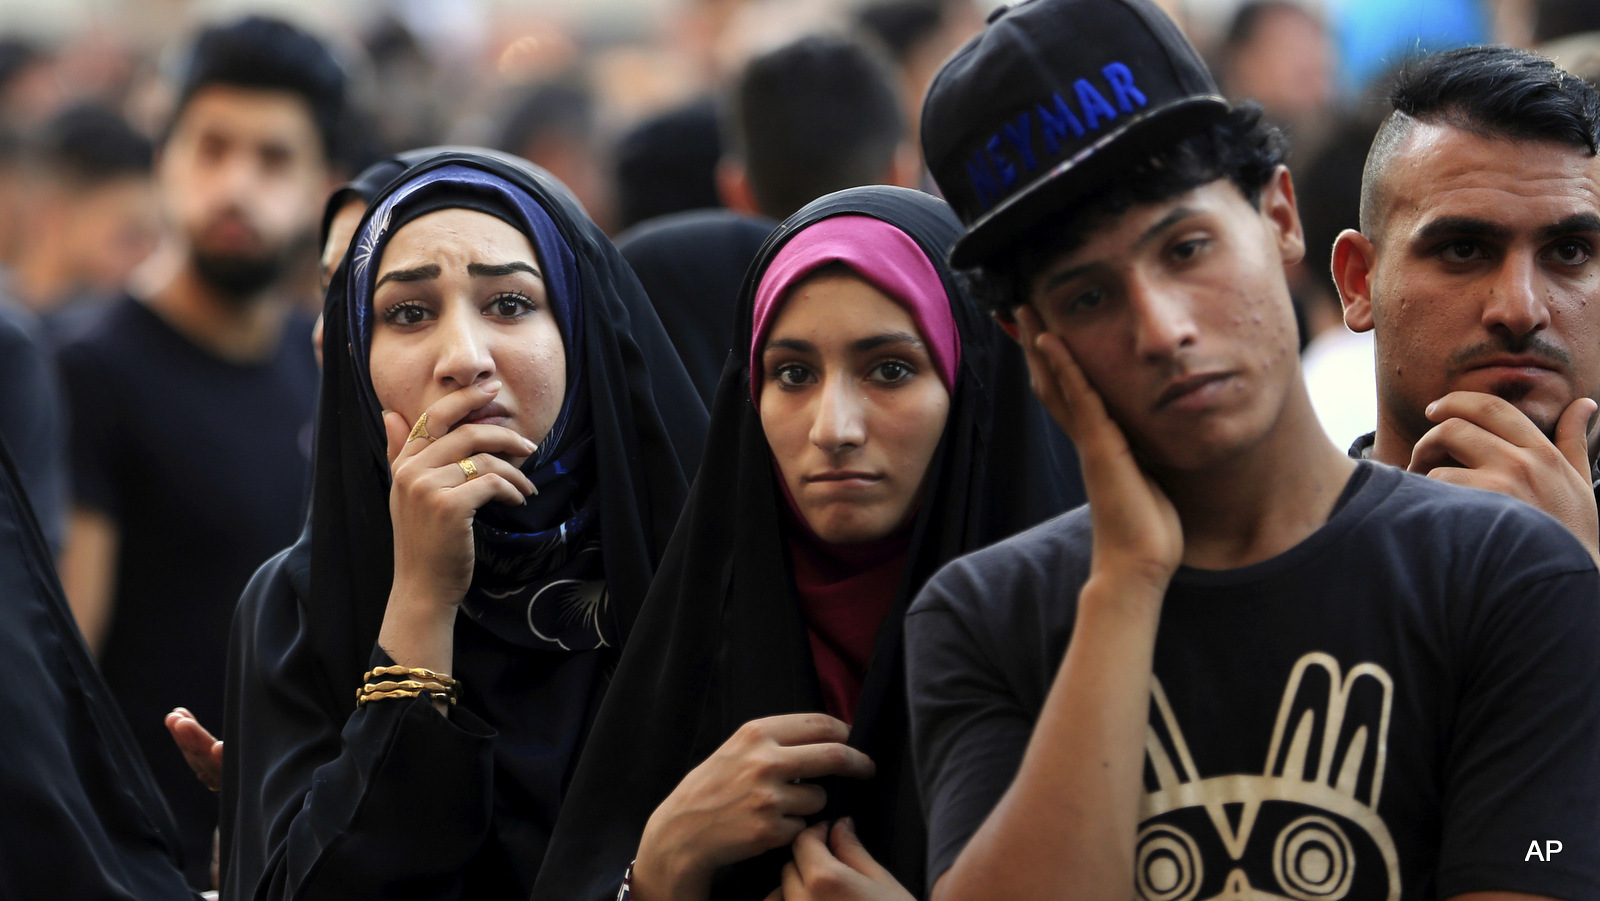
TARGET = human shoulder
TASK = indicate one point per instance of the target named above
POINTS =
(1490, 535)
(125, 323)
(1014, 574)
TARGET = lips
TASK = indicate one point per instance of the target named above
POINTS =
(1515, 361)
(1193, 388)
(492, 413)
(842, 475)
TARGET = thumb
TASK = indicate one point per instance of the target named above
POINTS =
(395, 430)
(1572, 434)
(847, 847)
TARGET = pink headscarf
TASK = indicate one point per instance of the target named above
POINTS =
(881, 254)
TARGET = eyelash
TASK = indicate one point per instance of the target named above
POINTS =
(778, 373)
(393, 314)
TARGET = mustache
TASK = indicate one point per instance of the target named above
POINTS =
(1531, 345)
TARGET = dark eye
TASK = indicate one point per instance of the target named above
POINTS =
(1571, 252)
(893, 371)
(1460, 252)
(1188, 250)
(791, 375)
(405, 313)
(1084, 301)
(510, 306)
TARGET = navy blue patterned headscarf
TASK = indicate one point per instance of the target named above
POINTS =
(539, 579)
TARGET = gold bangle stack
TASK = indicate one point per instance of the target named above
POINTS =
(437, 686)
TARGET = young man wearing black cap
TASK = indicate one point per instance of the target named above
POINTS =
(1251, 668)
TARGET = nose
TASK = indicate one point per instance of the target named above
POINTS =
(465, 356)
(1163, 318)
(1514, 305)
(840, 424)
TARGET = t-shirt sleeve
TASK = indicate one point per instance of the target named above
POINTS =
(95, 431)
(1522, 768)
(969, 727)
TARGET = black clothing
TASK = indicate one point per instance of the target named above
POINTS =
(202, 465)
(82, 816)
(1407, 698)
(727, 640)
(692, 265)
(33, 420)
(391, 800)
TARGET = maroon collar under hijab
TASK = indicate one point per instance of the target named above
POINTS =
(846, 590)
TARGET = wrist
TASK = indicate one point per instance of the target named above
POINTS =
(662, 875)
(1126, 596)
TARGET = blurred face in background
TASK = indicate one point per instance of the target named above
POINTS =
(109, 230)
(242, 176)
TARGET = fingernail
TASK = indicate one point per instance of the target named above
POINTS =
(1429, 411)
(491, 386)
(849, 823)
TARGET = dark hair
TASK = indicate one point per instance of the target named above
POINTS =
(87, 146)
(1241, 148)
(812, 117)
(1494, 91)
(1248, 18)
(901, 25)
(668, 164)
(563, 107)
(268, 54)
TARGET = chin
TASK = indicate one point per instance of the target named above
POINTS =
(851, 528)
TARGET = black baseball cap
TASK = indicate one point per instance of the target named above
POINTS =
(1048, 102)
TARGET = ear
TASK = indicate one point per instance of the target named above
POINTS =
(733, 186)
(1354, 258)
(1279, 208)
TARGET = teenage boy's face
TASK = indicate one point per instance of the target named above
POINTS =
(1179, 314)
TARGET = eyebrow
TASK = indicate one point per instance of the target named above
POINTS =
(1577, 223)
(1460, 226)
(863, 345)
(1173, 217)
(476, 270)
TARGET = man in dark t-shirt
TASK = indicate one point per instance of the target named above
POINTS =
(191, 407)
(1475, 270)
(1251, 667)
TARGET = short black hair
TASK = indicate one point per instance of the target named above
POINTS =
(901, 25)
(1492, 90)
(267, 54)
(1240, 147)
(668, 163)
(562, 107)
(86, 146)
(814, 116)
(1247, 19)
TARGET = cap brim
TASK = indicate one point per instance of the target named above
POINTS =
(1092, 167)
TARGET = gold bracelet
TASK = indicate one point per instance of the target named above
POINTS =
(363, 697)
(409, 685)
(415, 671)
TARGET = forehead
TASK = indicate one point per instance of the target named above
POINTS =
(840, 306)
(250, 114)
(1441, 170)
(455, 236)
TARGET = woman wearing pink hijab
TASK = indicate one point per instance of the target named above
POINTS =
(858, 441)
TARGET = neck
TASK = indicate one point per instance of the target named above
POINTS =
(1391, 443)
(1258, 504)
(237, 330)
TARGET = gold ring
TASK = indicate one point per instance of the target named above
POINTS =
(468, 467)
(420, 430)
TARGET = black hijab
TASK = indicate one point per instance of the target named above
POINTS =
(612, 478)
(83, 816)
(692, 265)
(728, 644)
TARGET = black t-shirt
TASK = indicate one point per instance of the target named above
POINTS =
(203, 465)
(1403, 702)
